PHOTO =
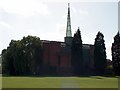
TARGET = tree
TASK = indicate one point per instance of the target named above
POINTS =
(23, 57)
(100, 60)
(5, 64)
(76, 53)
(116, 54)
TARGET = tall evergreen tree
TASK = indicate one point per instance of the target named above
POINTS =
(100, 60)
(116, 54)
(76, 51)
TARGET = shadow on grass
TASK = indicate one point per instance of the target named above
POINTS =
(59, 76)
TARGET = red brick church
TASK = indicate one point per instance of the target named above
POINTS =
(57, 55)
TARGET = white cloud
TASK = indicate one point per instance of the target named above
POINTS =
(57, 35)
(60, 28)
(83, 12)
(74, 10)
(5, 24)
(24, 7)
(53, 35)
(88, 37)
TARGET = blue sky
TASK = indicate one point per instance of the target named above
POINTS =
(48, 20)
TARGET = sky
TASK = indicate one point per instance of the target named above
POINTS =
(47, 19)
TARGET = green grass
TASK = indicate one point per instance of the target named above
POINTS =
(60, 82)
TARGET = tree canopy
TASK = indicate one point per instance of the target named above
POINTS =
(23, 57)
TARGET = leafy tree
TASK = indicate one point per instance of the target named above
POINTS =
(76, 53)
(8, 60)
(100, 60)
(23, 57)
(5, 64)
(116, 54)
(32, 50)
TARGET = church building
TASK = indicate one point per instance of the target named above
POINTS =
(57, 55)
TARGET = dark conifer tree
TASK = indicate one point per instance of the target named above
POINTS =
(76, 51)
(100, 60)
(116, 54)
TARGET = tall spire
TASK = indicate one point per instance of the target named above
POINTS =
(68, 29)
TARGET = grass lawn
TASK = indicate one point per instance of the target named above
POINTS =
(60, 82)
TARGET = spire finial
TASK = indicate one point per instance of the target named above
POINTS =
(68, 5)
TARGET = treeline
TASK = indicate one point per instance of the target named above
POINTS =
(100, 61)
(101, 66)
(23, 57)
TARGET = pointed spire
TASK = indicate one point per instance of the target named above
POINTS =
(68, 29)
(68, 5)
